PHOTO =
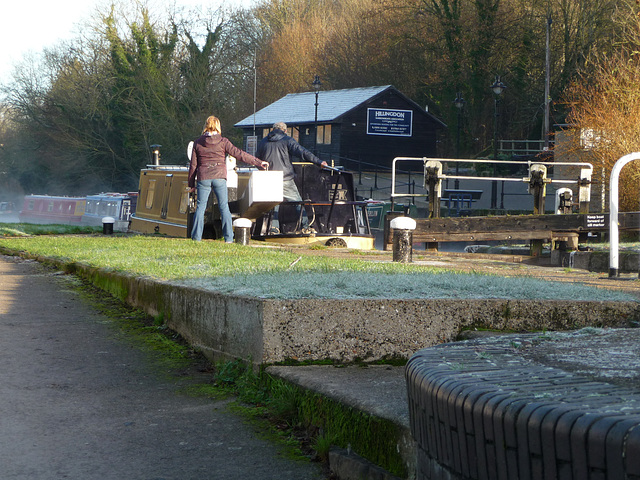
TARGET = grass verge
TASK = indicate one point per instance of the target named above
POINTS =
(27, 229)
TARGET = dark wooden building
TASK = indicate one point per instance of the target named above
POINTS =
(357, 127)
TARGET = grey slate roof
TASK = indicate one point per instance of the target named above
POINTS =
(299, 108)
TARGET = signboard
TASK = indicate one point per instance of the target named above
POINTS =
(597, 221)
(395, 123)
(252, 145)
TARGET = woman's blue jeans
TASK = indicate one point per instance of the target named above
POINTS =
(204, 187)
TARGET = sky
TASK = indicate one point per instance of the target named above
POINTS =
(32, 25)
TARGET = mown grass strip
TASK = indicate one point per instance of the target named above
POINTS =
(173, 258)
(26, 229)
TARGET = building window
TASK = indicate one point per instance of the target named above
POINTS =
(323, 136)
(293, 132)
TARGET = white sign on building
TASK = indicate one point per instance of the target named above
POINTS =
(252, 145)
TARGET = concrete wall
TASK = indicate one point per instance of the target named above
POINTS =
(271, 331)
(597, 261)
(370, 330)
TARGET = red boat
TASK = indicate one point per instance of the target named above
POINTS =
(45, 209)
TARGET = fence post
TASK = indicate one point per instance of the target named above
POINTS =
(432, 181)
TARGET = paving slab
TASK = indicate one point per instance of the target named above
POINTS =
(378, 390)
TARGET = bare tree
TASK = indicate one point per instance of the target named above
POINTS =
(605, 108)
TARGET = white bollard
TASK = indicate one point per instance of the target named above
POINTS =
(402, 228)
(242, 230)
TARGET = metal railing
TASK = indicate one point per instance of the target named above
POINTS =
(521, 147)
(529, 163)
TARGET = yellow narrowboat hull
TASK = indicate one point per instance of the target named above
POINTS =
(353, 242)
(151, 226)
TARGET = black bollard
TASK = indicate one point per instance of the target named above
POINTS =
(107, 225)
(403, 228)
(242, 230)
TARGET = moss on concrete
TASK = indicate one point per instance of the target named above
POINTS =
(326, 420)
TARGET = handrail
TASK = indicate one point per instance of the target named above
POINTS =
(529, 163)
(613, 211)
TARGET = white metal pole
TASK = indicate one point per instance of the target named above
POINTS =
(613, 212)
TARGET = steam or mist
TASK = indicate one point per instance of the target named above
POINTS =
(9, 210)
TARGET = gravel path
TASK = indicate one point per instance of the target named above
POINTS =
(78, 401)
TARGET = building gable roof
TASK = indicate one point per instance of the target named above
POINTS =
(299, 108)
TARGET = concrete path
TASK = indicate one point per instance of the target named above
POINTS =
(78, 402)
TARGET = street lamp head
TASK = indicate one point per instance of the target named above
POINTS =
(316, 83)
(459, 102)
(498, 87)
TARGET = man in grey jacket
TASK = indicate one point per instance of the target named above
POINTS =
(277, 148)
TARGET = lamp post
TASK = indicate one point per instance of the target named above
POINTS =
(498, 87)
(459, 103)
(316, 86)
(547, 95)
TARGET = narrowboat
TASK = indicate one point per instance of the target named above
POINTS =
(166, 205)
(118, 206)
(335, 218)
(45, 209)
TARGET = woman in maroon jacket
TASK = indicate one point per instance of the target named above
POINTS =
(209, 166)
